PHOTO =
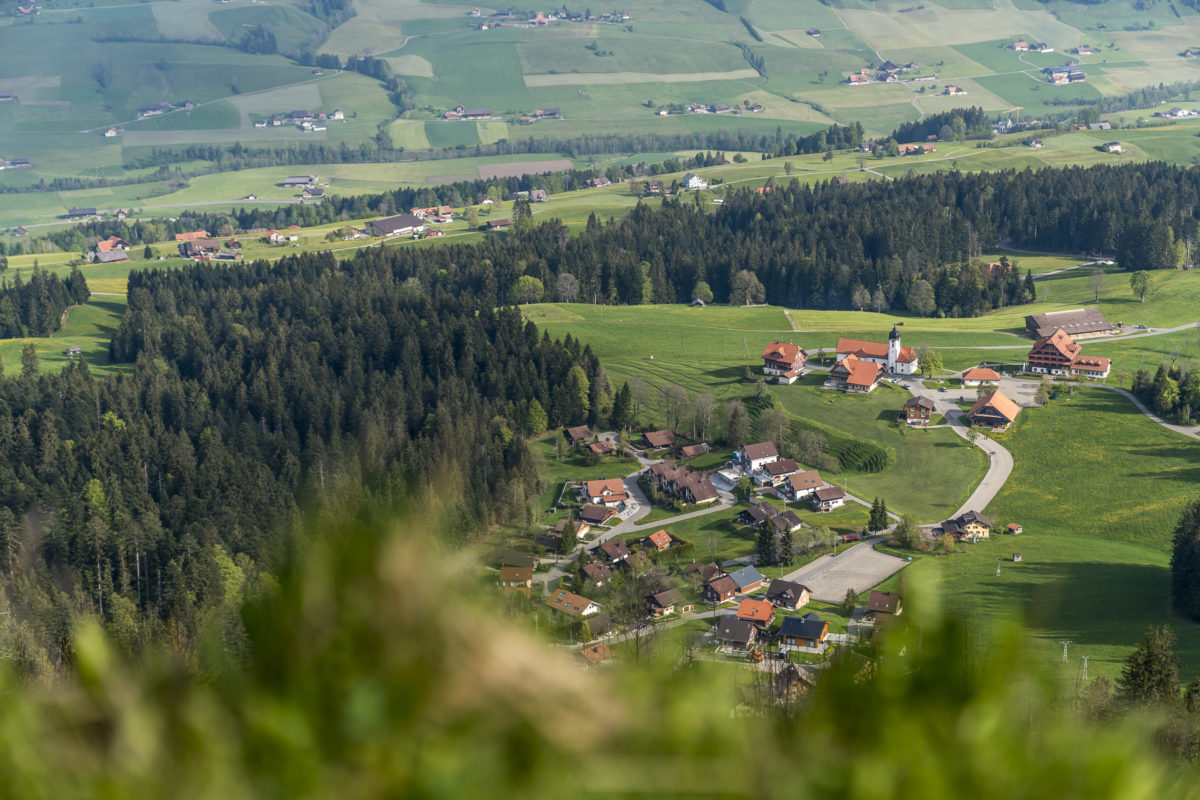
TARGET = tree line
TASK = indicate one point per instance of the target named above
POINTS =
(956, 124)
(37, 307)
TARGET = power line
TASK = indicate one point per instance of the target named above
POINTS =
(1064, 643)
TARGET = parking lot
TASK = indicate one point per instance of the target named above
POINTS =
(859, 569)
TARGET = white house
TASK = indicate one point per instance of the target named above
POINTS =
(694, 181)
(828, 498)
(753, 457)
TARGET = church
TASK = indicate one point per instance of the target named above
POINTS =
(894, 359)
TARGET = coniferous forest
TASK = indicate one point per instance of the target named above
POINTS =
(257, 393)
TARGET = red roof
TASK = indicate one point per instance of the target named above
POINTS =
(999, 401)
(756, 611)
(660, 538)
(981, 374)
(1061, 341)
(864, 349)
(783, 351)
(862, 373)
(612, 488)
(191, 236)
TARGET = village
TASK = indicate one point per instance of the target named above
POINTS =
(817, 597)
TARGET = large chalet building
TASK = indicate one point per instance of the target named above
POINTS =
(894, 359)
(784, 361)
(1059, 354)
(679, 481)
(853, 374)
(996, 411)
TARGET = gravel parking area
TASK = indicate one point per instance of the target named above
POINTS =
(859, 569)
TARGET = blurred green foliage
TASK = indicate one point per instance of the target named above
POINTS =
(376, 668)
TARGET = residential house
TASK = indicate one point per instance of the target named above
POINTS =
(80, 213)
(572, 604)
(800, 485)
(19, 163)
(788, 595)
(759, 613)
(596, 515)
(720, 590)
(1020, 45)
(660, 540)
(538, 196)
(814, 32)
(112, 132)
(502, 224)
(734, 632)
(598, 182)
(918, 411)
(852, 374)
(776, 472)
(6, 97)
(299, 181)
(1112, 147)
(1085, 50)
(1013, 529)
(1079, 323)
(516, 579)
(666, 603)
(753, 457)
(338, 114)
(659, 439)
(20, 230)
(154, 110)
(792, 683)
(977, 376)
(504, 557)
(702, 573)
(200, 249)
(828, 498)
(653, 187)
(396, 225)
(784, 361)
(969, 525)
(996, 411)
(596, 653)
(955, 91)
(894, 358)
(807, 632)
(917, 149)
(602, 448)
(614, 550)
(694, 450)
(681, 482)
(747, 579)
(694, 181)
(580, 433)
(884, 603)
(110, 244)
(607, 492)
(785, 522)
(756, 514)
(314, 192)
(597, 572)
(1040, 47)
(858, 79)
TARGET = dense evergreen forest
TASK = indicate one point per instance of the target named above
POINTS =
(36, 308)
(158, 499)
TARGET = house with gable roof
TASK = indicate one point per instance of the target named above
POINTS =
(1059, 354)
(753, 457)
(784, 361)
(996, 411)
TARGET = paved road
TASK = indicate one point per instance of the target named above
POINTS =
(1193, 432)
(1000, 460)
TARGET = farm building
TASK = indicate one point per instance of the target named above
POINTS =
(1079, 323)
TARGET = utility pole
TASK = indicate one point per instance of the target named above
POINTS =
(1084, 678)
(1064, 643)
(998, 567)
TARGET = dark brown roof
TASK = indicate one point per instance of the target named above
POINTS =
(784, 466)
(579, 433)
(516, 574)
(737, 631)
(597, 571)
(957, 524)
(723, 585)
(886, 602)
(920, 402)
(596, 653)
(595, 515)
(1075, 322)
(830, 493)
(806, 480)
(754, 452)
(666, 599)
(663, 438)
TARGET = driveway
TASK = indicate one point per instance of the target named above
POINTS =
(858, 568)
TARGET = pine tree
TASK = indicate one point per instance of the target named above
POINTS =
(786, 548)
(850, 602)
(1185, 563)
(622, 408)
(766, 546)
(1151, 673)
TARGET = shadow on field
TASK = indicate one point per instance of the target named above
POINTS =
(726, 374)
(1091, 603)
(111, 306)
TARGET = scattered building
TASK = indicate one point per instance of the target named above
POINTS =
(918, 411)
(828, 498)
(660, 540)
(720, 590)
(977, 376)
(969, 525)
(659, 439)
(81, 213)
(299, 181)
(808, 632)
(759, 613)
(852, 374)
(499, 224)
(397, 225)
(1059, 354)
(580, 433)
(666, 603)
(788, 595)
(753, 457)
(734, 632)
(694, 450)
(1079, 323)
(996, 411)
(784, 361)
(894, 358)
(516, 579)
(800, 485)
(572, 604)
(884, 603)
(747, 579)
(1085, 50)
(1113, 147)
(694, 181)
(1013, 529)
(955, 91)
(608, 492)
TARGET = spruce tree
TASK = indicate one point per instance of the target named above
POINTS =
(1185, 563)
(786, 548)
(1151, 674)
(622, 408)
(766, 546)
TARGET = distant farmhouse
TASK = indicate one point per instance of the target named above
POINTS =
(397, 225)
(154, 110)
(1079, 323)
(1068, 73)
(783, 361)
